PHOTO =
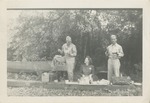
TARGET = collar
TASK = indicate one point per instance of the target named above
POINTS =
(69, 45)
(113, 44)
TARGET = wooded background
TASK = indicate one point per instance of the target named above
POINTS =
(36, 35)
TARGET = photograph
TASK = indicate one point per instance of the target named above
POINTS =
(74, 52)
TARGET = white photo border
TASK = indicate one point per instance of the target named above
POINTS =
(54, 4)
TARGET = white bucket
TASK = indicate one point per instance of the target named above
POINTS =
(45, 77)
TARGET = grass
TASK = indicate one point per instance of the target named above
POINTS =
(34, 91)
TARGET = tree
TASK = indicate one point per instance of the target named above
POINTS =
(38, 35)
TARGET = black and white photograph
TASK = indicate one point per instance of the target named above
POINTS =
(74, 52)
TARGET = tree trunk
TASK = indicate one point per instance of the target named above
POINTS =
(85, 46)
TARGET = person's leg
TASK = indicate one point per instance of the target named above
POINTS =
(64, 75)
(117, 67)
(70, 68)
(110, 70)
(70, 72)
(59, 76)
(67, 65)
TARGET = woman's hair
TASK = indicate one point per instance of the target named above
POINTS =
(90, 59)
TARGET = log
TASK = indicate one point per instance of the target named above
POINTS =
(29, 67)
(43, 66)
(60, 85)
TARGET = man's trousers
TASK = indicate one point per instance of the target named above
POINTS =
(70, 62)
(113, 68)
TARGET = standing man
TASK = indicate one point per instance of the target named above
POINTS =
(114, 53)
(69, 50)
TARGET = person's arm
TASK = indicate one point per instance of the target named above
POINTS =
(120, 53)
(81, 70)
(93, 70)
(74, 51)
(61, 51)
(106, 53)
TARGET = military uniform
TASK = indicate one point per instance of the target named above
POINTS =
(70, 53)
(114, 53)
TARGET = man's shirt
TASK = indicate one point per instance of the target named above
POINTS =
(114, 51)
(69, 51)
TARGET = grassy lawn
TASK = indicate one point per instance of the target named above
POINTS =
(34, 91)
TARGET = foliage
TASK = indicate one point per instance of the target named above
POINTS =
(38, 36)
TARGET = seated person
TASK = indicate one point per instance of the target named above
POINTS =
(87, 71)
(58, 62)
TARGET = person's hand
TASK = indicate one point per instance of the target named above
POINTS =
(59, 50)
(69, 53)
(117, 55)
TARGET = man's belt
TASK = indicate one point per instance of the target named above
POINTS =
(113, 58)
